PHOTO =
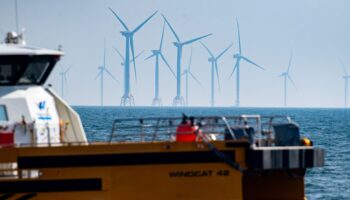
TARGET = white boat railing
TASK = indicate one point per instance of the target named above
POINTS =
(216, 127)
(256, 129)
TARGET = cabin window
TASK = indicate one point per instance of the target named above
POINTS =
(34, 72)
(3, 113)
(25, 70)
(8, 73)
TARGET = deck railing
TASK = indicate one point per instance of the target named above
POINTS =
(215, 127)
(164, 129)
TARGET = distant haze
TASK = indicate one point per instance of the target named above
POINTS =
(317, 31)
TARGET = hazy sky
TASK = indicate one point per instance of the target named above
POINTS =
(317, 31)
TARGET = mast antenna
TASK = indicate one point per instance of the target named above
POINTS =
(16, 13)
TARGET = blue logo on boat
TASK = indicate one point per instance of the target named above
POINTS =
(44, 118)
(42, 105)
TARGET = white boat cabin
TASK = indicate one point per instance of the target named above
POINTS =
(29, 112)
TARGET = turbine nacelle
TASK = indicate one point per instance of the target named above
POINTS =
(237, 56)
(100, 67)
(126, 33)
(177, 44)
(211, 59)
(155, 52)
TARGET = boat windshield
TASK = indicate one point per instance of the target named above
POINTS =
(25, 70)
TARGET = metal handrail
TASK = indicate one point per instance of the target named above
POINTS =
(166, 125)
(164, 128)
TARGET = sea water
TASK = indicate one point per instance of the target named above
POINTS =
(327, 128)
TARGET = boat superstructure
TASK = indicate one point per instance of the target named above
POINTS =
(44, 153)
(34, 112)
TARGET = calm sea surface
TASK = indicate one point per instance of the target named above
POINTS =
(328, 128)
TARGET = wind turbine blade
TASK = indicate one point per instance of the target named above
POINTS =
(251, 62)
(291, 80)
(121, 56)
(171, 28)
(190, 62)
(195, 39)
(234, 69)
(110, 74)
(139, 54)
(97, 75)
(149, 56)
(144, 22)
(131, 61)
(210, 53)
(104, 53)
(67, 70)
(290, 62)
(239, 38)
(217, 75)
(161, 40)
(199, 83)
(120, 20)
(280, 75)
(344, 68)
(167, 64)
(222, 53)
(133, 56)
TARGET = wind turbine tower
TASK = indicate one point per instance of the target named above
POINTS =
(178, 99)
(187, 72)
(100, 74)
(214, 67)
(287, 77)
(157, 53)
(127, 99)
(346, 78)
(238, 56)
(63, 75)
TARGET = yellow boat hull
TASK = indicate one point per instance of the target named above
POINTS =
(153, 170)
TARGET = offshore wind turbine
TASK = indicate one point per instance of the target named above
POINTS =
(346, 78)
(286, 76)
(157, 101)
(238, 56)
(127, 98)
(100, 74)
(178, 99)
(187, 72)
(214, 68)
(63, 75)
